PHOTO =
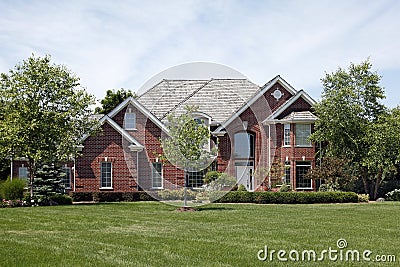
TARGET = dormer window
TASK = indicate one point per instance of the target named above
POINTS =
(130, 120)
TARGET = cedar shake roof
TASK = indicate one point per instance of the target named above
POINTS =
(299, 116)
(218, 98)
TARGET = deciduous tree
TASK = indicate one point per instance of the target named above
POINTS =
(46, 112)
(112, 99)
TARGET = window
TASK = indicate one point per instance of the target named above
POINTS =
(106, 175)
(23, 172)
(156, 175)
(130, 121)
(67, 178)
(303, 132)
(244, 145)
(195, 179)
(286, 134)
(287, 173)
(302, 168)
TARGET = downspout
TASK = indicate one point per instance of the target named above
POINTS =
(137, 170)
(269, 156)
(74, 171)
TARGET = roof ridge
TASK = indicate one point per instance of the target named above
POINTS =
(186, 98)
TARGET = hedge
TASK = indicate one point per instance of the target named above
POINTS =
(111, 196)
(288, 197)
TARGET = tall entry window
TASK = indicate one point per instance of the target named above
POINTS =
(244, 145)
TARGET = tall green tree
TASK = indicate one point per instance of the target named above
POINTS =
(187, 144)
(383, 156)
(112, 99)
(350, 107)
(46, 112)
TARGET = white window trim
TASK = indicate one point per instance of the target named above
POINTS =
(162, 177)
(125, 127)
(111, 174)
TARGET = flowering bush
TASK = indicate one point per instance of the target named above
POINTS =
(12, 203)
(393, 195)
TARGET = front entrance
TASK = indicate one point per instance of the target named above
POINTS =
(245, 174)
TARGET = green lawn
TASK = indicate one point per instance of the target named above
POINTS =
(153, 234)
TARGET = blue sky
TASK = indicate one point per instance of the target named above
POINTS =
(114, 44)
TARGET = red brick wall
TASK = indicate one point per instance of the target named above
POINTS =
(107, 146)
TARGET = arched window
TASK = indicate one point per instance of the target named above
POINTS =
(244, 145)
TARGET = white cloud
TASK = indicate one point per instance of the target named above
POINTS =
(112, 44)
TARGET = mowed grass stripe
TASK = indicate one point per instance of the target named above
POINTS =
(153, 234)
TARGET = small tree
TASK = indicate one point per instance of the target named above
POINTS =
(112, 99)
(48, 181)
(186, 145)
(337, 173)
(45, 114)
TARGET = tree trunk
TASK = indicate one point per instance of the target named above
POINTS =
(377, 183)
(365, 181)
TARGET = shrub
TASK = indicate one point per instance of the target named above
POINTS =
(211, 176)
(393, 195)
(284, 188)
(12, 190)
(363, 197)
(178, 194)
(111, 196)
(288, 197)
(242, 188)
(81, 196)
(236, 197)
(61, 199)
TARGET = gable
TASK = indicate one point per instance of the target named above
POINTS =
(130, 103)
(265, 94)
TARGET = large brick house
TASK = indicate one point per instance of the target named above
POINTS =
(255, 129)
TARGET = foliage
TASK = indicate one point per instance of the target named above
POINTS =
(48, 181)
(112, 99)
(61, 199)
(187, 142)
(185, 146)
(353, 123)
(393, 195)
(276, 172)
(12, 190)
(177, 194)
(110, 196)
(211, 176)
(45, 112)
(336, 172)
(242, 188)
(288, 197)
(363, 198)
(12, 203)
(223, 181)
(284, 188)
